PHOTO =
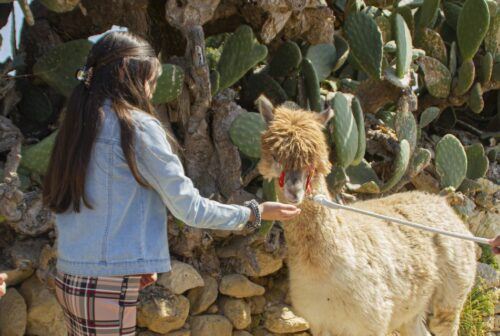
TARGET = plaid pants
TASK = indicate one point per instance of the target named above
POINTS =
(95, 306)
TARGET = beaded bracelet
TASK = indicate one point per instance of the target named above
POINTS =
(254, 206)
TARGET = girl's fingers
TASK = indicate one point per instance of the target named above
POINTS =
(3, 278)
(3, 289)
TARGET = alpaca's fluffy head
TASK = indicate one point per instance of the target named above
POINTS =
(295, 143)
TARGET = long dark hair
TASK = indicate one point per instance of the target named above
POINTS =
(122, 66)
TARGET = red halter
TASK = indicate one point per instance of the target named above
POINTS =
(308, 180)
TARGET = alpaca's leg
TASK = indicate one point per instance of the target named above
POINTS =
(414, 328)
(445, 322)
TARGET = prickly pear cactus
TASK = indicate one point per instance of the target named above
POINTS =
(420, 159)
(323, 58)
(486, 68)
(57, 67)
(426, 15)
(60, 6)
(342, 49)
(476, 102)
(169, 84)
(473, 23)
(311, 82)
(241, 53)
(287, 58)
(451, 161)
(403, 46)
(344, 131)
(466, 75)
(365, 41)
(477, 161)
(436, 75)
(262, 83)
(245, 133)
(360, 123)
(268, 194)
(406, 128)
(428, 116)
(401, 162)
(35, 158)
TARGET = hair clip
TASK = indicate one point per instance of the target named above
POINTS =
(84, 75)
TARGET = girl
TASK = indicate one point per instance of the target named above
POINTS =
(111, 175)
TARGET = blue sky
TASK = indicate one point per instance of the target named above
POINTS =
(6, 50)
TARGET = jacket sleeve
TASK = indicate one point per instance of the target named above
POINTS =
(162, 169)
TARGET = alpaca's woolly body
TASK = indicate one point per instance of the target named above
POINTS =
(354, 275)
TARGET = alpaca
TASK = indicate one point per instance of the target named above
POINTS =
(352, 275)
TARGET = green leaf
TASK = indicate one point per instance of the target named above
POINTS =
(245, 133)
(451, 161)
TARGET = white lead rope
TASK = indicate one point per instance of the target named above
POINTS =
(321, 199)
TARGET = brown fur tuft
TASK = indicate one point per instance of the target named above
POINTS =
(297, 140)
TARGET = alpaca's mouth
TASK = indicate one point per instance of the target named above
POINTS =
(293, 198)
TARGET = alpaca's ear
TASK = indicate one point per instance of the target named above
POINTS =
(325, 116)
(265, 108)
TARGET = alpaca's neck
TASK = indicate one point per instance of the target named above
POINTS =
(308, 234)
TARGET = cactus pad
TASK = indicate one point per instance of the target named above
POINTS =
(493, 35)
(476, 102)
(312, 85)
(432, 43)
(477, 161)
(428, 116)
(241, 52)
(245, 133)
(363, 179)
(323, 58)
(384, 24)
(486, 68)
(35, 158)
(360, 122)
(401, 164)
(453, 59)
(451, 161)
(426, 15)
(466, 75)
(60, 6)
(451, 13)
(35, 104)
(419, 161)
(342, 49)
(437, 77)
(260, 83)
(406, 128)
(472, 27)
(286, 58)
(345, 131)
(365, 41)
(57, 67)
(169, 84)
(403, 46)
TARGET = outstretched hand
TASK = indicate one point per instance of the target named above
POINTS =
(495, 244)
(3, 285)
(278, 211)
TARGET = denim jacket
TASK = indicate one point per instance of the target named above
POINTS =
(126, 231)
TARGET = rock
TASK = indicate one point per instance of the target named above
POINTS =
(201, 298)
(181, 278)
(210, 325)
(257, 304)
(489, 275)
(45, 315)
(213, 309)
(182, 332)
(237, 311)
(241, 333)
(267, 262)
(238, 286)
(161, 311)
(13, 314)
(281, 319)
